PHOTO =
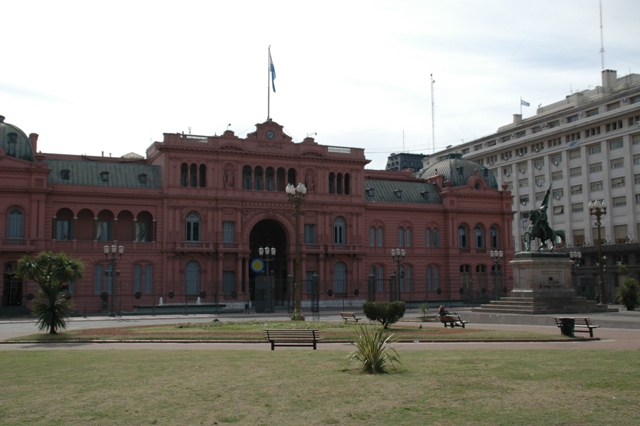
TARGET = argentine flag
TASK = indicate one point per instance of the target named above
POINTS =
(272, 69)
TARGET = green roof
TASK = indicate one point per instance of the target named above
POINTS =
(456, 169)
(14, 142)
(104, 174)
(389, 191)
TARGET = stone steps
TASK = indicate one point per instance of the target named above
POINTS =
(523, 305)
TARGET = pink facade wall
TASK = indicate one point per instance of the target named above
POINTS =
(257, 215)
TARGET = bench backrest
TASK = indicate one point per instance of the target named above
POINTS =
(292, 334)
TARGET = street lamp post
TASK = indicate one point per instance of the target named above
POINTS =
(576, 257)
(398, 256)
(296, 196)
(496, 257)
(598, 209)
(264, 255)
(119, 251)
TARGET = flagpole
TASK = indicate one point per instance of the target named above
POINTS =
(520, 106)
(268, 88)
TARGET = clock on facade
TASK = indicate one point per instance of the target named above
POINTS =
(270, 134)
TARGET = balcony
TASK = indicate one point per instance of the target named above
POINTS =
(17, 244)
(194, 247)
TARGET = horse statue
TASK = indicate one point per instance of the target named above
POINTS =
(540, 229)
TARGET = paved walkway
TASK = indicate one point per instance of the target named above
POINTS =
(618, 331)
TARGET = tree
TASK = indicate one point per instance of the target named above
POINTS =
(51, 271)
(384, 312)
(628, 294)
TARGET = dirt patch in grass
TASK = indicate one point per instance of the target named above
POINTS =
(253, 331)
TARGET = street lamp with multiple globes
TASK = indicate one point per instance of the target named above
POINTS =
(576, 257)
(599, 209)
(296, 196)
(496, 257)
(264, 255)
(398, 256)
(119, 251)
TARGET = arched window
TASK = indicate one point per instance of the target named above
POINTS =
(98, 279)
(137, 278)
(436, 278)
(479, 236)
(427, 237)
(494, 237)
(270, 179)
(407, 237)
(339, 230)
(429, 278)
(405, 278)
(148, 279)
(257, 179)
(436, 238)
(203, 176)
(281, 182)
(465, 278)
(340, 278)
(184, 175)
(372, 236)
(15, 226)
(193, 175)
(192, 278)
(332, 183)
(463, 238)
(400, 237)
(347, 184)
(193, 227)
(380, 278)
(110, 278)
(246, 177)
(380, 236)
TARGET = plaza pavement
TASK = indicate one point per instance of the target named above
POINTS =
(618, 331)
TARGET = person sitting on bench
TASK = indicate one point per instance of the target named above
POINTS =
(445, 316)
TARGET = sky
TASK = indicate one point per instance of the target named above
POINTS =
(92, 77)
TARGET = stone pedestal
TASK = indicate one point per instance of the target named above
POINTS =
(542, 285)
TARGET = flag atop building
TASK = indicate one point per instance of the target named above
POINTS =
(525, 103)
(272, 70)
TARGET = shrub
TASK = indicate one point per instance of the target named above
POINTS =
(628, 294)
(424, 310)
(372, 352)
(384, 312)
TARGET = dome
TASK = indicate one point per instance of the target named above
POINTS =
(456, 169)
(14, 142)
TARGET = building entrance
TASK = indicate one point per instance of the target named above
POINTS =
(268, 288)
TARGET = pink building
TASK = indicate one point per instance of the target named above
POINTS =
(192, 215)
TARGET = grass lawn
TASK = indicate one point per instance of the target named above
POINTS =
(306, 387)
(253, 331)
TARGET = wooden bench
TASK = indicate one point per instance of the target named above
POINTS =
(452, 320)
(346, 316)
(302, 337)
(578, 327)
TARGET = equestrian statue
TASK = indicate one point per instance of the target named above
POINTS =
(540, 229)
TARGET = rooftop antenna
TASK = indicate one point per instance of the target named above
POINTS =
(601, 38)
(189, 129)
(433, 120)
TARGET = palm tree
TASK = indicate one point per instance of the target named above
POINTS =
(51, 271)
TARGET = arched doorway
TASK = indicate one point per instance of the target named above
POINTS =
(269, 233)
